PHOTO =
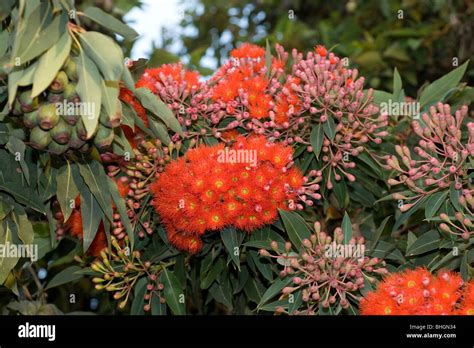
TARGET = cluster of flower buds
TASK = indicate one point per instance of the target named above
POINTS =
(150, 159)
(326, 271)
(462, 225)
(181, 90)
(119, 270)
(332, 96)
(440, 161)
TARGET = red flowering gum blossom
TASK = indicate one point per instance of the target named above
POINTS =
(417, 292)
(210, 188)
(74, 224)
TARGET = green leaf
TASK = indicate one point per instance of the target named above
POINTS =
(379, 231)
(397, 85)
(436, 90)
(317, 138)
(24, 228)
(297, 301)
(207, 278)
(121, 208)
(88, 88)
(17, 148)
(262, 264)
(50, 63)
(110, 93)
(96, 179)
(467, 259)
(329, 128)
(157, 308)
(139, 297)
(268, 58)
(406, 215)
(39, 34)
(295, 226)
(232, 240)
(91, 217)
(254, 290)
(222, 294)
(454, 197)
(6, 263)
(173, 293)
(105, 53)
(110, 22)
(274, 289)
(346, 228)
(434, 202)
(67, 275)
(158, 108)
(386, 250)
(66, 188)
(426, 242)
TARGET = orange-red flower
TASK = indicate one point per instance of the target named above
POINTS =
(417, 292)
(212, 187)
(248, 50)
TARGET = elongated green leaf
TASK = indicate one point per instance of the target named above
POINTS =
(67, 275)
(17, 148)
(329, 128)
(397, 85)
(158, 108)
(295, 226)
(173, 293)
(317, 138)
(273, 290)
(207, 278)
(122, 209)
(268, 58)
(88, 88)
(254, 290)
(139, 297)
(454, 197)
(6, 263)
(91, 217)
(232, 240)
(105, 53)
(50, 63)
(379, 231)
(438, 89)
(110, 22)
(222, 294)
(110, 93)
(66, 189)
(96, 179)
(346, 228)
(434, 202)
(426, 242)
(40, 33)
(25, 229)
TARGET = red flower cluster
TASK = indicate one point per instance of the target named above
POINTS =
(417, 292)
(210, 188)
(244, 88)
(73, 225)
(155, 78)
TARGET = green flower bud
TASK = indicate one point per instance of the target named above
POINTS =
(56, 148)
(39, 138)
(61, 133)
(30, 119)
(47, 116)
(104, 137)
(59, 83)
